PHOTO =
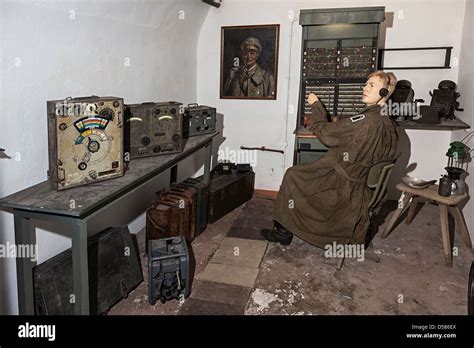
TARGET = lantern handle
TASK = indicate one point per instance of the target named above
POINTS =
(468, 135)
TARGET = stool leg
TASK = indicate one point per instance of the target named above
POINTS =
(443, 214)
(396, 215)
(458, 216)
(412, 210)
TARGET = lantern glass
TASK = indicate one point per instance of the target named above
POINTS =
(457, 155)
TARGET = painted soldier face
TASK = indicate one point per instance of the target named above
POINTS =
(372, 87)
(250, 55)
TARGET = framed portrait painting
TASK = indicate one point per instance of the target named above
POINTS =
(249, 62)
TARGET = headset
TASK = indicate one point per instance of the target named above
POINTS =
(383, 92)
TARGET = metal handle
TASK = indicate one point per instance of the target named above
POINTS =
(193, 104)
(262, 148)
(80, 98)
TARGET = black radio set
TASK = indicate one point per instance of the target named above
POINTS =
(199, 119)
(159, 128)
(153, 129)
(443, 102)
(444, 99)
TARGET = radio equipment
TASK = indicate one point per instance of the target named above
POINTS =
(199, 119)
(85, 140)
(153, 129)
(429, 115)
(444, 99)
(403, 92)
(339, 51)
(169, 270)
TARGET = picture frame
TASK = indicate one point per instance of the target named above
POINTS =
(249, 61)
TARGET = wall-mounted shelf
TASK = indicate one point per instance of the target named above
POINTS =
(447, 58)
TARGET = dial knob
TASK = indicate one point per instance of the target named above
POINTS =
(157, 149)
(146, 141)
(82, 166)
(93, 146)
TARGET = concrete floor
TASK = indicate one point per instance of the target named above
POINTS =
(299, 280)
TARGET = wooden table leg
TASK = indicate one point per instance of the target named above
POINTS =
(412, 210)
(443, 214)
(396, 215)
(457, 214)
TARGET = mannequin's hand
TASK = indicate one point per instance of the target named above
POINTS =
(312, 98)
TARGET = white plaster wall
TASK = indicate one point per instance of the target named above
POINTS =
(55, 49)
(466, 88)
(268, 123)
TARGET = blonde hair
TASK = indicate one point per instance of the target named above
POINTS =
(389, 80)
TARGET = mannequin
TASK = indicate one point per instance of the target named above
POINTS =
(326, 201)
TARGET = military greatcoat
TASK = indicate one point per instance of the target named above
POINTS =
(327, 200)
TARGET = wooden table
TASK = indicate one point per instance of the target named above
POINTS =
(43, 202)
(446, 204)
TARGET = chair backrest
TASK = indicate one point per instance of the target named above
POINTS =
(377, 180)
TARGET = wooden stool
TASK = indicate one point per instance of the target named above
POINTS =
(445, 204)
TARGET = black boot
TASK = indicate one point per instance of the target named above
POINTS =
(277, 234)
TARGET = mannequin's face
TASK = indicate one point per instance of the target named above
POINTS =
(371, 94)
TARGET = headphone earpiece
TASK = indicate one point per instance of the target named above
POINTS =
(383, 92)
